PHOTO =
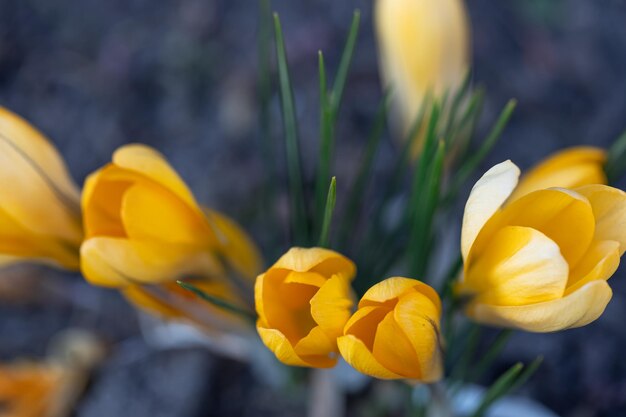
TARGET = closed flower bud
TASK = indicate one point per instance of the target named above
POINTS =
(540, 262)
(570, 168)
(424, 50)
(303, 302)
(39, 208)
(143, 226)
(394, 334)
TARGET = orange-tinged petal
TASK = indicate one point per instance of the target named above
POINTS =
(394, 287)
(150, 163)
(309, 278)
(609, 210)
(393, 350)
(519, 266)
(600, 262)
(115, 261)
(238, 248)
(570, 168)
(330, 306)
(318, 343)
(364, 322)
(577, 309)
(360, 358)
(487, 196)
(562, 215)
(323, 261)
(101, 204)
(418, 317)
(283, 349)
(153, 213)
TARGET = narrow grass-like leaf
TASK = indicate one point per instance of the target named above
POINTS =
(615, 165)
(529, 371)
(499, 388)
(344, 65)
(492, 138)
(296, 186)
(326, 145)
(218, 302)
(328, 213)
(461, 357)
(492, 354)
(357, 193)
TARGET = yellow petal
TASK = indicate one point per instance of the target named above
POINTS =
(238, 248)
(282, 348)
(424, 48)
(28, 141)
(394, 287)
(30, 197)
(323, 261)
(150, 163)
(330, 306)
(360, 358)
(609, 210)
(570, 168)
(562, 215)
(519, 266)
(577, 309)
(364, 322)
(318, 348)
(418, 317)
(153, 213)
(308, 278)
(114, 262)
(600, 262)
(102, 201)
(488, 194)
(394, 351)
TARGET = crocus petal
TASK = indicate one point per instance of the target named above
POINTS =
(27, 140)
(488, 194)
(570, 168)
(115, 261)
(238, 248)
(519, 266)
(577, 309)
(330, 307)
(562, 215)
(282, 348)
(360, 358)
(418, 317)
(318, 348)
(393, 350)
(394, 287)
(609, 210)
(101, 202)
(323, 261)
(150, 163)
(600, 262)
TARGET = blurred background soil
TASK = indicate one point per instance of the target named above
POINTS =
(182, 76)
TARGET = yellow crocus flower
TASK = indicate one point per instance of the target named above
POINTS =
(303, 302)
(541, 262)
(424, 50)
(39, 209)
(569, 168)
(394, 334)
(144, 226)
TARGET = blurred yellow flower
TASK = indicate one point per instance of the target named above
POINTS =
(303, 302)
(39, 209)
(569, 168)
(394, 334)
(424, 50)
(143, 226)
(541, 262)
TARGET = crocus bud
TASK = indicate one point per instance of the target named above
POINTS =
(143, 226)
(394, 334)
(303, 302)
(39, 209)
(541, 262)
(423, 50)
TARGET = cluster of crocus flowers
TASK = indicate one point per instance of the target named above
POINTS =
(424, 51)
(539, 259)
(304, 305)
(39, 210)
